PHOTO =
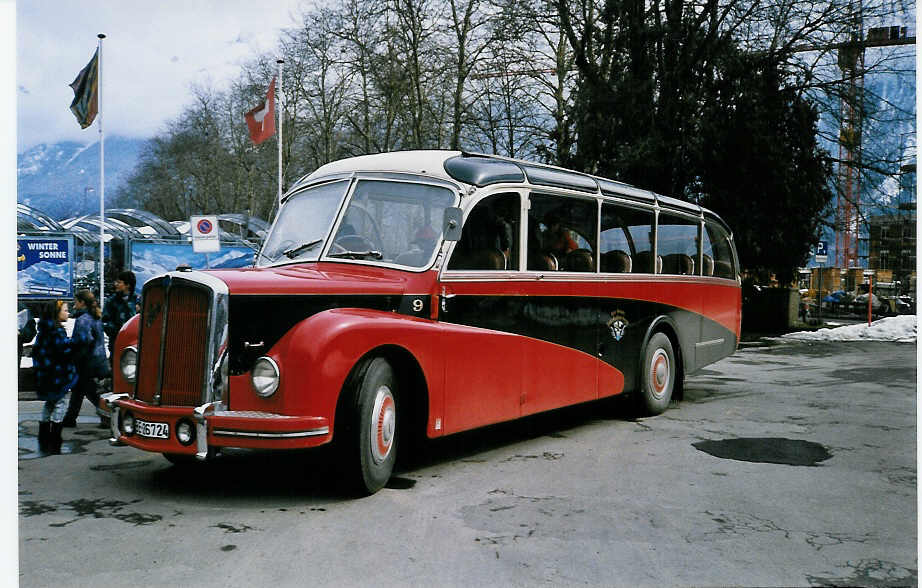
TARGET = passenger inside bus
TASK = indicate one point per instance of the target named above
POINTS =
(424, 241)
(561, 234)
(555, 238)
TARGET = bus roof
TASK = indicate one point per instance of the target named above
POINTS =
(477, 169)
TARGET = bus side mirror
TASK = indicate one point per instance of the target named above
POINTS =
(451, 223)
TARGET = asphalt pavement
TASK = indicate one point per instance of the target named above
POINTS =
(787, 464)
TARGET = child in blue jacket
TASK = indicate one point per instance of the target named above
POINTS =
(55, 373)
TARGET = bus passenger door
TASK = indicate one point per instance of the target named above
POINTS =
(559, 314)
(478, 309)
(560, 361)
(484, 359)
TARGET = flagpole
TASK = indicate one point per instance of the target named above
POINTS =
(102, 179)
(280, 112)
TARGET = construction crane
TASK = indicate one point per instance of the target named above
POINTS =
(851, 63)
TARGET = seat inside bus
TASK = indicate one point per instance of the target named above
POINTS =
(616, 262)
(707, 265)
(579, 260)
(678, 264)
(642, 263)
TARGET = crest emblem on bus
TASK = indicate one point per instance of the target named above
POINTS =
(617, 324)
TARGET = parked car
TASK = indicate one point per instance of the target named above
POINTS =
(878, 306)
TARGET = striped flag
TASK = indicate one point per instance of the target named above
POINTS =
(86, 92)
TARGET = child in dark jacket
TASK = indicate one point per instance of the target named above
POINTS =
(89, 355)
(55, 373)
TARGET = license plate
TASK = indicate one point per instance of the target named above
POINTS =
(155, 430)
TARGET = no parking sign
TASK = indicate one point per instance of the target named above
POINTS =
(204, 230)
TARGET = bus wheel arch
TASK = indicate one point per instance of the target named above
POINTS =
(382, 408)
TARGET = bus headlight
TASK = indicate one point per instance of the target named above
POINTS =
(128, 424)
(265, 377)
(185, 432)
(129, 363)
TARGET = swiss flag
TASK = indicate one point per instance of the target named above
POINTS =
(261, 120)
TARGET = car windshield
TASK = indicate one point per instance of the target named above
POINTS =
(389, 222)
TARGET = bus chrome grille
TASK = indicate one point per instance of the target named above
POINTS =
(173, 351)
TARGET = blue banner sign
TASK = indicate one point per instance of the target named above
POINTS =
(153, 258)
(45, 267)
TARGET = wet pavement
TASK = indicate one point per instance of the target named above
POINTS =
(793, 452)
(75, 440)
(787, 464)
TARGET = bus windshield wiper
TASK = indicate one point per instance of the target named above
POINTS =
(291, 253)
(358, 254)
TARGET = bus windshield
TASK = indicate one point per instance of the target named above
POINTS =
(303, 223)
(388, 222)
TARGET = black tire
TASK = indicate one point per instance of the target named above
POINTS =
(371, 448)
(657, 376)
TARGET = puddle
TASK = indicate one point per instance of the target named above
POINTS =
(96, 508)
(75, 439)
(28, 445)
(794, 452)
(229, 528)
(895, 374)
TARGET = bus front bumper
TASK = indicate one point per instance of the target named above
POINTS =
(195, 431)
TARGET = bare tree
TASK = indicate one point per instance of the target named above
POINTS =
(469, 39)
(413, 28)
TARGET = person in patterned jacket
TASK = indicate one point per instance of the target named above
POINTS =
(89, 356)
(55, 373)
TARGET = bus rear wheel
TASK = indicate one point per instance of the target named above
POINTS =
(372, 450)
(658, 374)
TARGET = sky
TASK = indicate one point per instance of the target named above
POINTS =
(154, 51)
(152, 55)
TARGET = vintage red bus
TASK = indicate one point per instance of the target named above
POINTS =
(427, 293)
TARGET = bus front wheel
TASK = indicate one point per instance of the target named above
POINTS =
(658, 374)
(373, 443)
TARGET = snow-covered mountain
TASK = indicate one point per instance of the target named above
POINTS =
(47, 278)
(54, 178)
(152, 259)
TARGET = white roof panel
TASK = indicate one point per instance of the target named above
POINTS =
(431, 163)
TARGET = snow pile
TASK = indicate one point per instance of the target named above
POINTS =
(893, 328)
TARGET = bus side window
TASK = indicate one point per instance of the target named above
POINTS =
(490, 237)
(626, 243)
(717, 247)
(561, 233)
(677, 244)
